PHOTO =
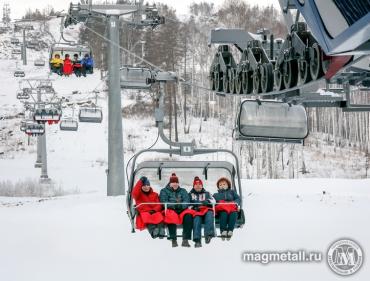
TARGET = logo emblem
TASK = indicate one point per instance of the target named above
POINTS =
(345, 257)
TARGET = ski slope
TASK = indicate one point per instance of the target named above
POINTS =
(88, 237)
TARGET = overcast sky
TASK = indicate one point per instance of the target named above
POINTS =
(18, 7)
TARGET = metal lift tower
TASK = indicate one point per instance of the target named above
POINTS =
(112, 14)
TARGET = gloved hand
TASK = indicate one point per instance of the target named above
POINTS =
(206, 203)
(196, 208)
(178, 207)
(172, 207)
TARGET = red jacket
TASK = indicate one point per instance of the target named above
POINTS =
(142, 197)
(228, 207)
(67, 67)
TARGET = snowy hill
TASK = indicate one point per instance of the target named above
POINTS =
(88, 236)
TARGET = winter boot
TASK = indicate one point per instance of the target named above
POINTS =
(223, 235)
(229, 235)
(155, 232)
(162, 232)
(208, 239)
(174, 243)
(198, 244)
(185, 243)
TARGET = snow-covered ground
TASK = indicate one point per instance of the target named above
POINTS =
(87, 236)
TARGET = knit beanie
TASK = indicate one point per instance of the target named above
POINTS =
(174, 178)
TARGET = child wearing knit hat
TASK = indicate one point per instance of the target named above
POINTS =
(177, 212)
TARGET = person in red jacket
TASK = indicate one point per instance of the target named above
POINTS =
(149, 215)
(77, 66)
(67, 66)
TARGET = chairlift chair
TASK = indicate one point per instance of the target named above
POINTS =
(68, 124)
(50, 115)
(23, 125)
(67, 48)
(19, 73)
(135, 78)
(32, 44)
(63, 49)
(271, 121)
(14, 40)
(46, 87)
(21, 95)
(39, 62)
(158, 172)
(90, 115)
(28, 27)
(34, 129)
(16, 52)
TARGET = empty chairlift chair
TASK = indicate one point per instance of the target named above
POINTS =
(68, 124)
(271, 121)
(14, 40)
(16, 51)
(90, 115)
(33, 44)
(135, 78)
(19, 73)
(46, 87)
(39, 62)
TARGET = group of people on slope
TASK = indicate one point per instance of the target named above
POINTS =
(189, 209)
(76, 65)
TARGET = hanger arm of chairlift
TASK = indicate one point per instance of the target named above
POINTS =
(159, 116)
(61, 31)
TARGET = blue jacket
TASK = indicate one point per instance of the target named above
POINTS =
(87, 61)
(180, 195)
(228, 195)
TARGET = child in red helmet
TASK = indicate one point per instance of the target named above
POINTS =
(203, 212)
